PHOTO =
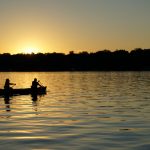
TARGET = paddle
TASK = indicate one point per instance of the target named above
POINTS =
(13, 85)
(40, 83)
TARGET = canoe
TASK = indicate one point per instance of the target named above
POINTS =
(23, 91)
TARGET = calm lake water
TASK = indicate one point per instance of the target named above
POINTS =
(81, 111)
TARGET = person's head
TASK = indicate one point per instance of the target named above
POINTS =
(7, 80)
(35, 79)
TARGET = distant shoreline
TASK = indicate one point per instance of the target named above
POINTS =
(119, 60)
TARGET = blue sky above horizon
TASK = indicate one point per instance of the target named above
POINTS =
(78, 25)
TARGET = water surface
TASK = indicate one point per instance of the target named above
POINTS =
(81, 110)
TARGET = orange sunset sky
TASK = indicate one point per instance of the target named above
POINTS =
(73, 25)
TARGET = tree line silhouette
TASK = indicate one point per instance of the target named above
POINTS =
(106, 60)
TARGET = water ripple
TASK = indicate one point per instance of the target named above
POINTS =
(82, 110)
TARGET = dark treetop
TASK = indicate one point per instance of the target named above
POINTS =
(119, 60)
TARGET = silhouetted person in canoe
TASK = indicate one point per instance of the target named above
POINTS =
(35, 85)
(7, 87)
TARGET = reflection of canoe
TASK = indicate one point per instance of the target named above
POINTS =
(23, 91)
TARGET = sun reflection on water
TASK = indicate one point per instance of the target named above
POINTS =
(98, 111)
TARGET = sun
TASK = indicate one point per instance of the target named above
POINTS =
(30, 50)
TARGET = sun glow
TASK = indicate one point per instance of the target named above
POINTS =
(30, 50)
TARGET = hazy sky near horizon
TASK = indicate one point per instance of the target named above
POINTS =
(73, 25)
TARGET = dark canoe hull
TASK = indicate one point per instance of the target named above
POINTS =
(23, 91)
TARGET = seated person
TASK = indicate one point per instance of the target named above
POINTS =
(35, 84)
(7, 84)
